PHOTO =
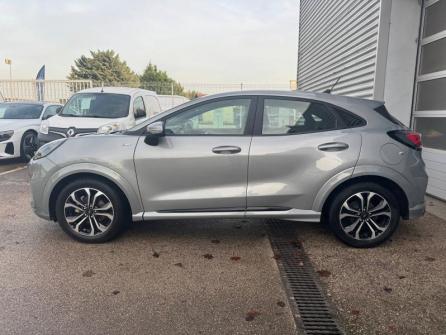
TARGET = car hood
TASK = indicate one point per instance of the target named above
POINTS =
(81, 122)
(9, 124)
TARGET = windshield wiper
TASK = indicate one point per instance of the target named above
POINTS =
(70, 115)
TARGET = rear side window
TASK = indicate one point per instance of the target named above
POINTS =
(382, 110)
(348, 119)
(282, 116)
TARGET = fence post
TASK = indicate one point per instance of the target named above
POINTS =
(241, 86)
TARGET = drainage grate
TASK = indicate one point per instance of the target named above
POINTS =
(311, 309)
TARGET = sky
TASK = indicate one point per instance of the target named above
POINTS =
(195, 41)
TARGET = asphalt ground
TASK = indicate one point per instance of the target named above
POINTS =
(396, 288)
(167, 277)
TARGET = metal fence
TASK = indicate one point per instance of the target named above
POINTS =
(61, 90)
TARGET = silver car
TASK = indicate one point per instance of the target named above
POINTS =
(253, 154)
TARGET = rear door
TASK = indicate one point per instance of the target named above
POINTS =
(298, 145)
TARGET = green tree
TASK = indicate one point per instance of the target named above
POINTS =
(104, 66)
(158, 81)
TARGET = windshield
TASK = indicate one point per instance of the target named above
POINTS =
(20, 111)
(97, 105)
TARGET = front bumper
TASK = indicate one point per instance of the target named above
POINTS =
(9, 149)
(46, 138)
(39, 172)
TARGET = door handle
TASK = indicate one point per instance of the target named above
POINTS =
(226, 149)
(333, 146)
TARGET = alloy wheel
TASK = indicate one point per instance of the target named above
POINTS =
(29, 146)
(88, 211)
(365, 215)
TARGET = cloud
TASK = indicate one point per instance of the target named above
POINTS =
(195, 41)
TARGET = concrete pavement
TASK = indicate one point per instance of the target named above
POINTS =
(159, 278)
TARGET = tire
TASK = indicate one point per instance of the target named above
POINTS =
(28, 146)
(364, 228)
(106, 222)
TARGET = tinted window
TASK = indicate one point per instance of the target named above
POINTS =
(434, 19)
(139, 110)
(20, 111)
(225, 117)
(431, 94)
(98, 105)
(282, 116)
(348, 120)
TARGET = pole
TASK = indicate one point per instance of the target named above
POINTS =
(10, 71)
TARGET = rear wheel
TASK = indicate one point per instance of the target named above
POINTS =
(28, 146)
(91, 211)
(364, 215)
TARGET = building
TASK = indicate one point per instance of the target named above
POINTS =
(390, 50)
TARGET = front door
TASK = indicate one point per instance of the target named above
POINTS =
(201, 164)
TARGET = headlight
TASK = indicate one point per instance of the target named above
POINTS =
(44, 126)
(48, 148)
(6, 135)
(111, 128)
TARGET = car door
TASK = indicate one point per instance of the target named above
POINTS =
(201, 163)
(298, 145)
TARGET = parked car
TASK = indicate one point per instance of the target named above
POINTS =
(19, 125)
(258, 154)
(171, 101)
(100, 109)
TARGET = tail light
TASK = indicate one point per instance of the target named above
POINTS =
(407, 137)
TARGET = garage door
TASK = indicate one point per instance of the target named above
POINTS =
(430, 107)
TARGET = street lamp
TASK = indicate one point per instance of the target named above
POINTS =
(9, 62)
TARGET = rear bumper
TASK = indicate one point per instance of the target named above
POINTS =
(417, 211)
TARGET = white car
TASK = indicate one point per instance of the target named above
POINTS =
(100, 110)
(19, 125)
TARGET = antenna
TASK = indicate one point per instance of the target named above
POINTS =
(332, 86)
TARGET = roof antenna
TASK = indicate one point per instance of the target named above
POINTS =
(329, 90)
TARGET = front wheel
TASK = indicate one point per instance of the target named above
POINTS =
(28, 146)
(91, 211)
(364, 215)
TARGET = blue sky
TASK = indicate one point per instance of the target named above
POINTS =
(195, 41)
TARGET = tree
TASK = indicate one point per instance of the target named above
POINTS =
(158, 81)
(104, 66)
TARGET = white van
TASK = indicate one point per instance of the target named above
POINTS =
(100, 109)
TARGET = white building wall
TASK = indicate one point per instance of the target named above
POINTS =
(401, 58)
(338, 39)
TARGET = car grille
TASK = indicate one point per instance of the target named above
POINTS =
(71, 131)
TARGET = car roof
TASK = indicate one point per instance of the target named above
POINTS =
(339, 100)
(118, 90)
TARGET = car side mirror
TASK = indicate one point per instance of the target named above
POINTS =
(140, 113)
(154, 131)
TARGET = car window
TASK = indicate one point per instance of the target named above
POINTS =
(50, 111)
(152, 105)
(282, 116)
(139, 110)
(224, 117)
(97, 105)
(16, 111)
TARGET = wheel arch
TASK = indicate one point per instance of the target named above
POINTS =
(394, 187)
(127, 195)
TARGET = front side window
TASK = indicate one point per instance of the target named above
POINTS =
(224, 117)
(20, 111)
(282, 116)
(139, 110)
(97, 105)
(50, 111)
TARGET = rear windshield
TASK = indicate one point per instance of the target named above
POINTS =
(20, 111)
(382, 110)
(97, 105)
